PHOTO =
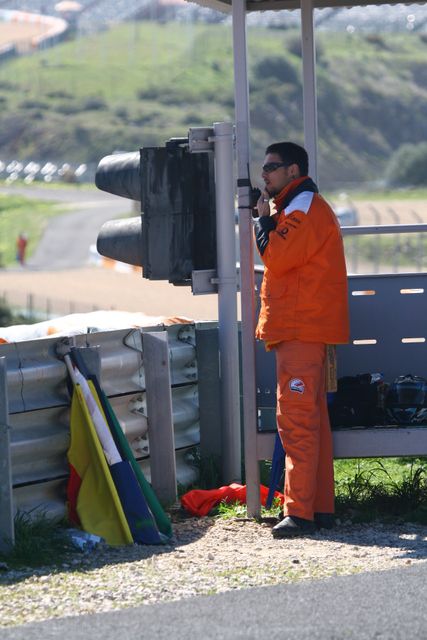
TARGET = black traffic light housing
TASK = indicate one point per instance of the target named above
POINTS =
(176, 233)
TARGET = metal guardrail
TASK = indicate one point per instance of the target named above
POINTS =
(39, 406)
(6, 512)
(37, 378)
(40, 439)
(50, 496)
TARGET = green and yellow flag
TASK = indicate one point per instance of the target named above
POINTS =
(93, 501)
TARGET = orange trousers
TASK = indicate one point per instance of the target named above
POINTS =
(304, 429)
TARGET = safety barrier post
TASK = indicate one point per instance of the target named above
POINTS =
(7, 533)
(227, 302)
(247, 280)
(160, 415)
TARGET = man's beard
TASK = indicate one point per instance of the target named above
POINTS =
(272, 192)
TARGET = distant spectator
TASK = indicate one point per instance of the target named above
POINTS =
(21, 247)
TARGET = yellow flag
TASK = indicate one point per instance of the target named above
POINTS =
(97, 504)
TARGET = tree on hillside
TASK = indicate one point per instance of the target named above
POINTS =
(408, 166)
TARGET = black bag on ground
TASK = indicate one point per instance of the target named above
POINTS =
(358, 401)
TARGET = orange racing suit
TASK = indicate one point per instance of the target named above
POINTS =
(304, 307)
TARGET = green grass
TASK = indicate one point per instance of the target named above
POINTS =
(138, 84)
(367, 489)
(228, 510)
(89, 89)
(117, 64)
(395, 468)
(39, 541)
(19, 214)
(379, 488)
(49, 186)
(403, 249)
(130, 76)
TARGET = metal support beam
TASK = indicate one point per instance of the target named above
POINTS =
(247, 281)
(159, 414)
(209, 392)
(227, 301)
(309, 85)
(376, 442)
(7, 533)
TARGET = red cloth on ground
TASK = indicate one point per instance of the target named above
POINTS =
(199, 502)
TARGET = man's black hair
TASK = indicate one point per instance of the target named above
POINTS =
(291, 153)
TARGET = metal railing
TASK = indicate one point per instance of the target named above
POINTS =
(405, 251)
(38, 399)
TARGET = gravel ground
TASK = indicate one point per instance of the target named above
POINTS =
(206, 556)
(89, 287)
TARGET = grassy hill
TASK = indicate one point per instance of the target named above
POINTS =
(141, 83)
(19, 214)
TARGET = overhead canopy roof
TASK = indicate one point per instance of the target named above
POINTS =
(277, 5)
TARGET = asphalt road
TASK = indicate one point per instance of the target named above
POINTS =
(66, 241)
(388, 605)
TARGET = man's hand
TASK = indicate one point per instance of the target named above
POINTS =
(263, 204)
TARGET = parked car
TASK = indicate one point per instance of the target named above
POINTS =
(347, 215)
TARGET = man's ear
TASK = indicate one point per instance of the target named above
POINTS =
(294, 171)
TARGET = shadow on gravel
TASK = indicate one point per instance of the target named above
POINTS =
(186, 529)
(409, 540)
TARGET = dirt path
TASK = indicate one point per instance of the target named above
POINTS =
(94, 287)
(83, 289)
(391, 212)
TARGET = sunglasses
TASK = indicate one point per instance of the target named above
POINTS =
(272, 166)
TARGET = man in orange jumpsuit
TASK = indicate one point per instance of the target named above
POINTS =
(304, 308)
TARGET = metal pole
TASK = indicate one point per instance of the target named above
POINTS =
(227, 301)
(7, 533)
(30, 310)
(160, 415)
(247, 279)
(309, 84)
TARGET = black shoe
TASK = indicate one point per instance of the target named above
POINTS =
(324, 520)
(292, 526)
